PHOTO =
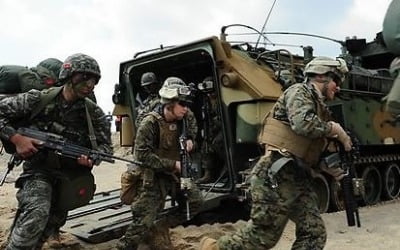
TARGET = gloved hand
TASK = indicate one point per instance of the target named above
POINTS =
(342, 136)
(335, 172)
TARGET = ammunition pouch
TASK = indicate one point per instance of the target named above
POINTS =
(130, 180)
(74, 189)
(148, 177)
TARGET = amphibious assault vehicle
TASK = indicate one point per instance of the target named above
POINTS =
(245, 80)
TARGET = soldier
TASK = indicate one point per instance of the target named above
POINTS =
(18, 79)
(391, 35)
(150, 85)
(156, 145)
(294, 136)
(212, 149)
(43, 76)
(41, 209)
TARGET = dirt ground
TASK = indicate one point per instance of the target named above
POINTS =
(380, 224)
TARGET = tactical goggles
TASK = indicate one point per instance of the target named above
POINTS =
(85, 77)
(184, 90)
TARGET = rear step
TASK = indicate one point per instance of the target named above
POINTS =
(106, 218)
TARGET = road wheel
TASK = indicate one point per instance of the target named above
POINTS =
(391, 181)
(372, 185)
(321, 187)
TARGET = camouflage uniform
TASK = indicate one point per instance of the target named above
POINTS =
(38, 215)
(293, 198)
(212, 148)
(150, 85)
(156, 145)
(146, 107)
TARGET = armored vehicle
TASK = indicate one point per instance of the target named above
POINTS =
(235, 84)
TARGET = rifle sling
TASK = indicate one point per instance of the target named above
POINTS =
(277, 165)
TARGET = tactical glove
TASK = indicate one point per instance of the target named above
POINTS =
(338, 132)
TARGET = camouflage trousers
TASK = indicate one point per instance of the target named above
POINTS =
(35, 219)
(149, 202)
(272, 207)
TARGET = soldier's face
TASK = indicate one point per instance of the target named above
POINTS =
(331, 89)
(83, 84)
(151, 88)
(180, 109)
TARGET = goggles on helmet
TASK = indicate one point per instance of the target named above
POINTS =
(184, 90)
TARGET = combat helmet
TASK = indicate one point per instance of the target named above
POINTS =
(175, 89)
(49, 71)
(325, 65)
(148, 78)
(52, 64)
(79, 63)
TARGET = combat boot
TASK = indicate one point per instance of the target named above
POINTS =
(207, 177)
(207, 243)
(124, 244)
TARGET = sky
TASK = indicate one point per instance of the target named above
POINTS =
(113, 31)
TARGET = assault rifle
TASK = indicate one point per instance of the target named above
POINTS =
(205, 88)
(59, 145)
(350, 184)
(186, 172)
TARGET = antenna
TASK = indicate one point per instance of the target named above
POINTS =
(265, 23)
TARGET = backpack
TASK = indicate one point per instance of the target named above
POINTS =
(9, 79)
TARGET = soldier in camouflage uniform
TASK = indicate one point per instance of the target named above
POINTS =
(212, 148)
(39, 213)
(156, 145)
(281, 189)
(43, 76)
(151, 84)
(391, 35)
(18, 79)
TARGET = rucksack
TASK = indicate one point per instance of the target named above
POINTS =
(9, 79)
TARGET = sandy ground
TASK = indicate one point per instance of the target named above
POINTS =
(380, 224)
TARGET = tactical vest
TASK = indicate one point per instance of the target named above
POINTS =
(168, 138)
(47, 109)
(279, 134)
